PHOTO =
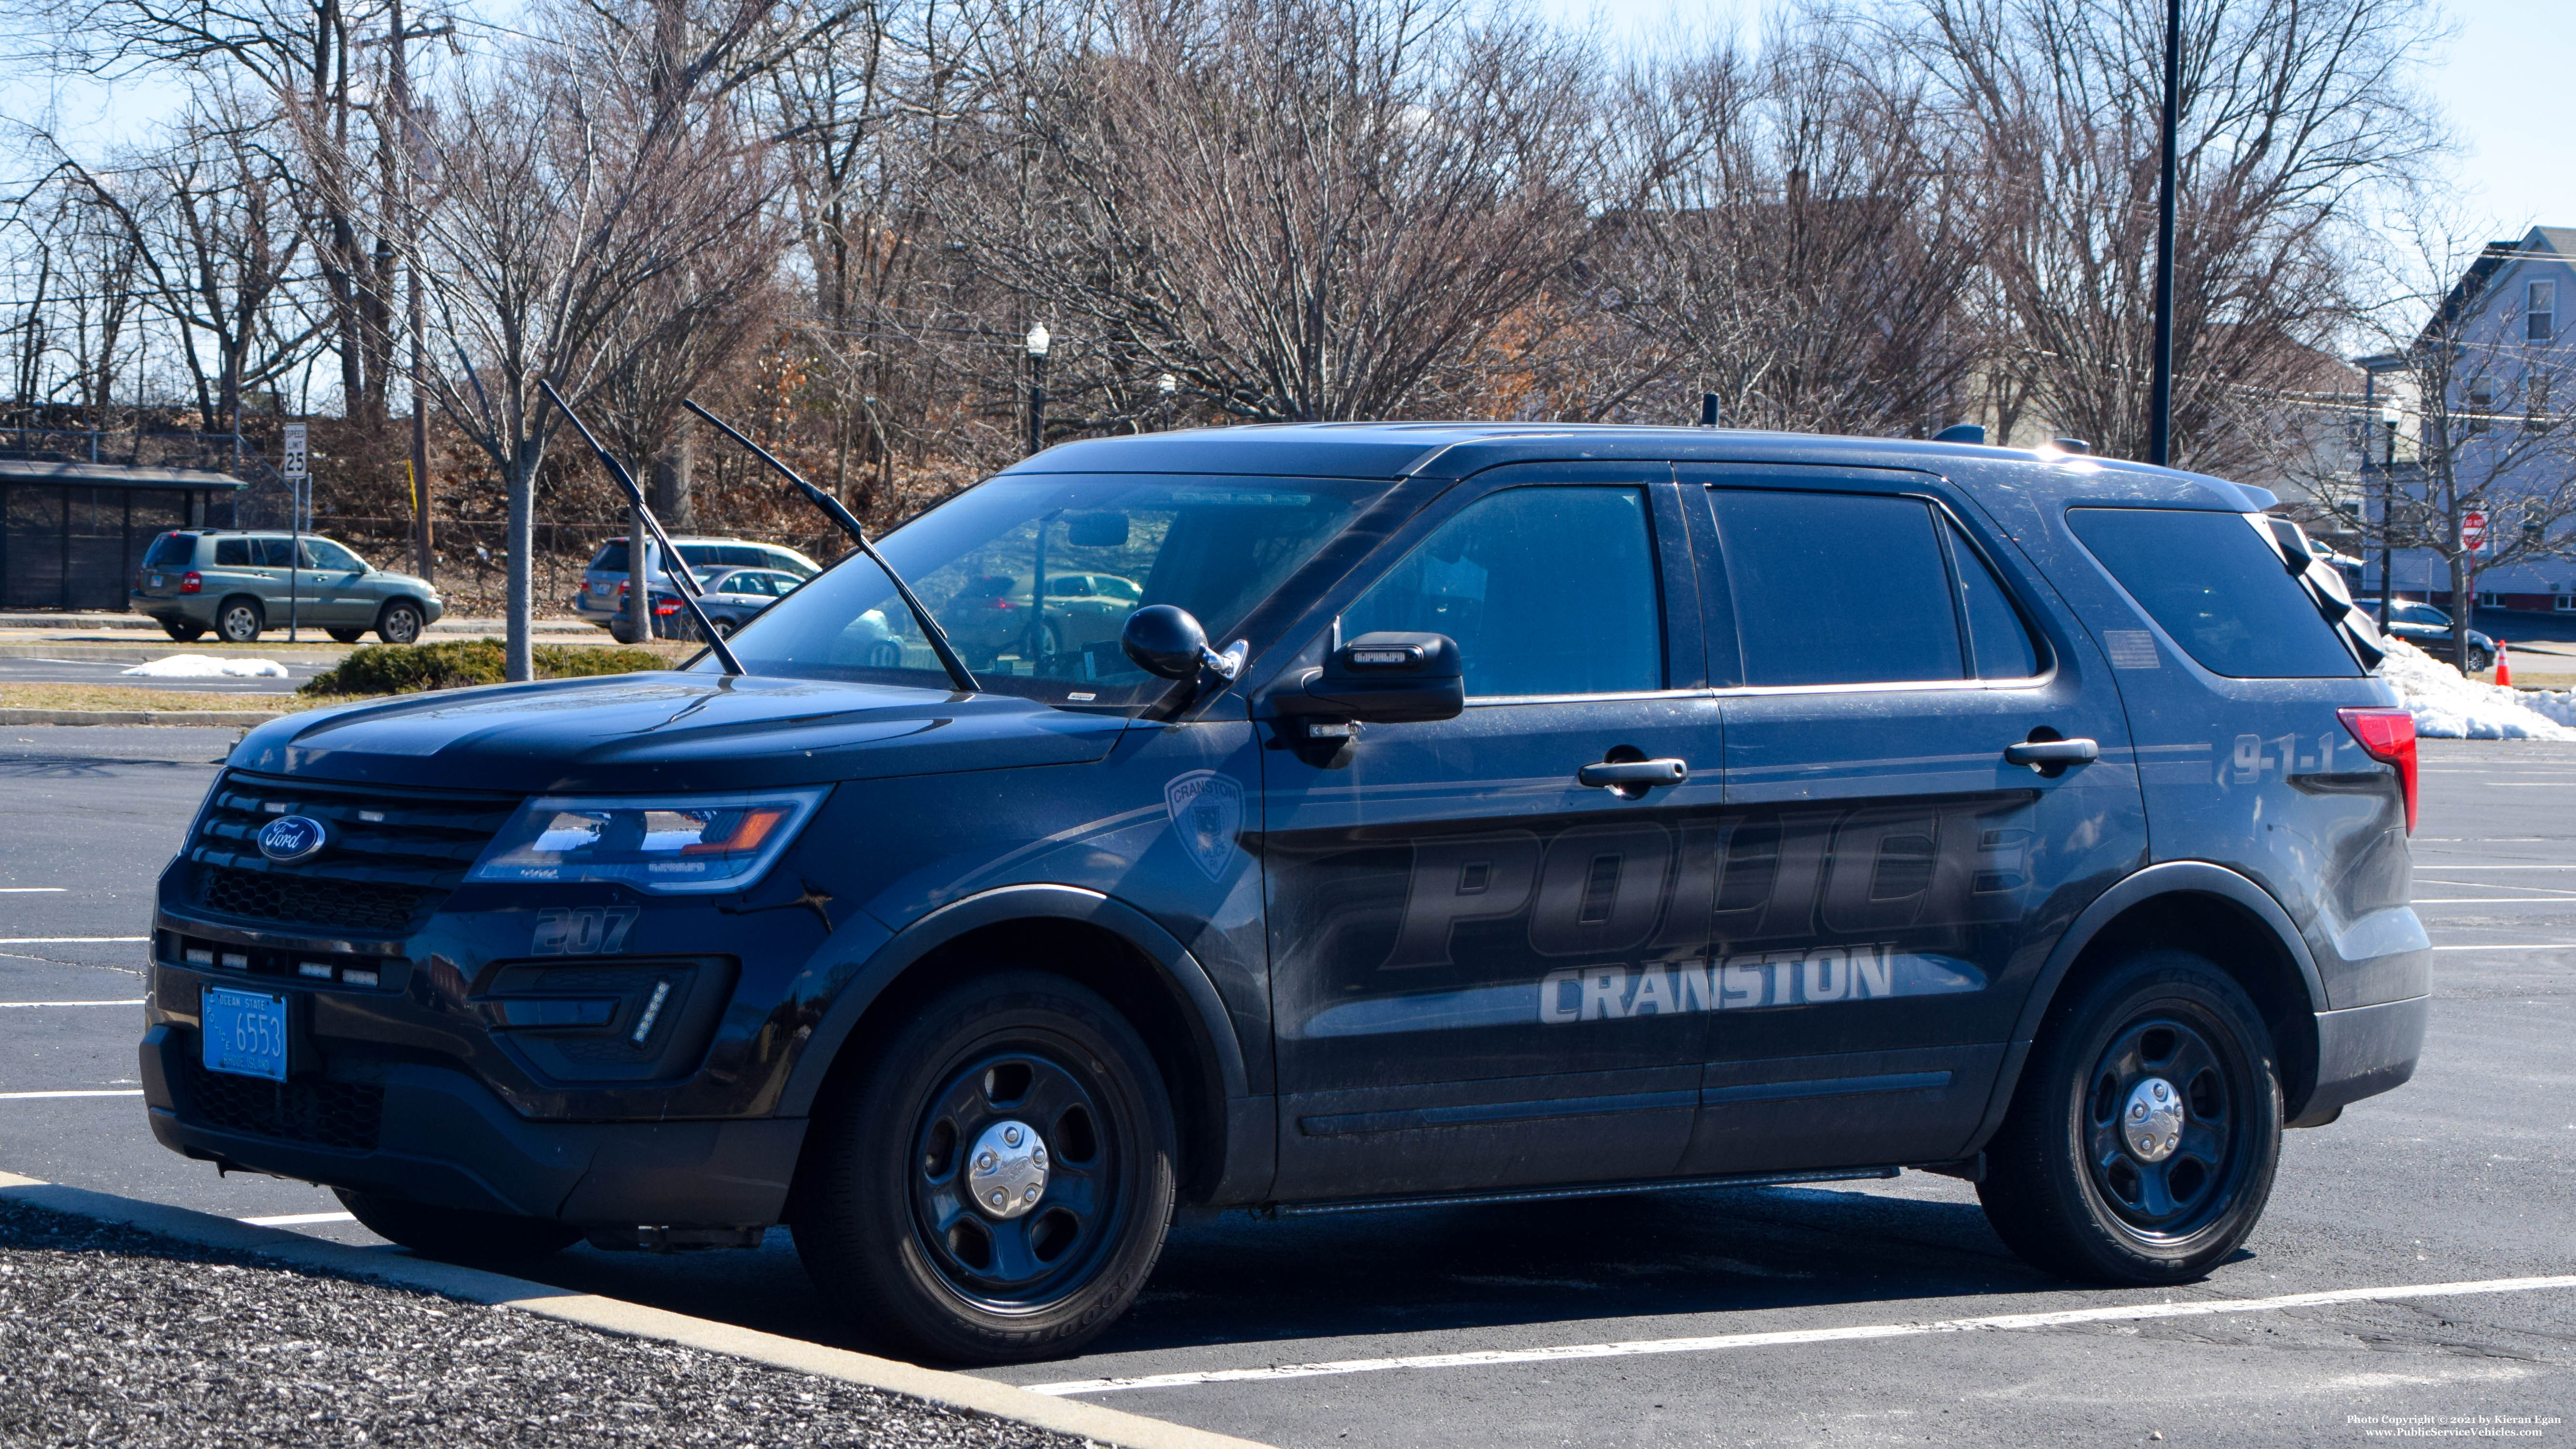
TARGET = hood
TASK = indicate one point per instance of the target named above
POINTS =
(388, 576)
(625, 733)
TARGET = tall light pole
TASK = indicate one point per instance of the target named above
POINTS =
(2160, 397)
(1038, 342)
(1167, 386)
(2389, 417)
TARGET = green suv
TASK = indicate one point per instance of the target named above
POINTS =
(239, 584)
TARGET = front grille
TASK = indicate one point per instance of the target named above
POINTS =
(345, 1115)
(277, 896)
(392, 853)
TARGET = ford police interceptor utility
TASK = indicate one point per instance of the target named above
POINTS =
(1467, 811)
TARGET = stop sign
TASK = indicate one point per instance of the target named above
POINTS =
(2473, 530)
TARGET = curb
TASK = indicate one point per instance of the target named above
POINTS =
(630, 1320)
(233, 717)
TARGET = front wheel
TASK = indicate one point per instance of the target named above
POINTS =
(457, 1235)
(186, 631)
(2142, 1139)
(995, 1186)
(2480, 661)
(400, 623)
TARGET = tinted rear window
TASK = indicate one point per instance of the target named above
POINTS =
(1837, 588)
(611, 557)
(2218, 589)
(170, 550)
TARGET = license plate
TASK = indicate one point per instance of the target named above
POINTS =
(245, 1033)
(156, 581)
(600, 588)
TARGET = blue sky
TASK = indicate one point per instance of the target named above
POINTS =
(2502, 81)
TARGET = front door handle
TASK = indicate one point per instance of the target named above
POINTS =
(2042, 754)
(1638, 775)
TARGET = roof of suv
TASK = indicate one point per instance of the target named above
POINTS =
(1455, 450)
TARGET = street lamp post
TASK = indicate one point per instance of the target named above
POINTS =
(1167, 386)
(2388, 418)
(1038, 342)
(2160, 394)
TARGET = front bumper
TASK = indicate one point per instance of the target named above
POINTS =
(450, 1142)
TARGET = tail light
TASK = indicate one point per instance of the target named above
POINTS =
(192, 582)
(1003, 604)
(2388, 736)
(666, 606)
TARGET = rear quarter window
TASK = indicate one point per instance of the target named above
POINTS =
(2214, 585)
(171, 550)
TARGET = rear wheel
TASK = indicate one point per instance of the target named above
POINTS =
(457, 1235)
(346, 636)
(186, 631)
(400, 623)
(240, 620)
(996, 1184)
(2142, 1139)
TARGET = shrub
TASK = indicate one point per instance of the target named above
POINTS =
(457, 664)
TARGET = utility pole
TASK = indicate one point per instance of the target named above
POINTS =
(423, 538)
(2160, 397)
(1038, 341)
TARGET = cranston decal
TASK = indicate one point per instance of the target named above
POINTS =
(1772, 978)
(1207, 811)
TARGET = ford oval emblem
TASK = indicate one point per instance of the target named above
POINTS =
(290, 838)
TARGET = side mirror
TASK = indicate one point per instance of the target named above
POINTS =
(1164, 640)
(1382, 678)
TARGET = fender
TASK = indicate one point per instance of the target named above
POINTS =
(2171, 877)
(1016, 903)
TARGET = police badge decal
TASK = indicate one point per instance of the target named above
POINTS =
(1207, 810)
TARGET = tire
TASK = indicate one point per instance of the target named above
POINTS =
(456, 1235)
(880, 1214)
(186, 631)
(346, 636)
(2480, 661)
(2064, 1189)
(399, 622)
(240, 620)
(724, 626)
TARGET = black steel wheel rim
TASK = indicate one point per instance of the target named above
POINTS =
(1030, 1261)
(2174, 1196)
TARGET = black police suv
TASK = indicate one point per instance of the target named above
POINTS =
(1467, 812)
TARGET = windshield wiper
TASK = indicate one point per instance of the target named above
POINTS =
(832, 509)
(683, 582)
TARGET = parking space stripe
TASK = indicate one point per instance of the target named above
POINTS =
(299, 1220)
(6, 1005)
(1715, 1343)
(71, 940)
(32, 890)
(43, 1096)
(2496, 901)
(2508, 946)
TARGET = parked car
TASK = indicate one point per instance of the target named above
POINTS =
(1083, 611)
(1782, 809)
(2429, 629)
(239, 584)
(732, 598)
(602, 596)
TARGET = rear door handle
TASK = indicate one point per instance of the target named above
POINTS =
(2061, 753)
(1611, 774)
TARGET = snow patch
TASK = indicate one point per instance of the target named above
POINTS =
(207, 666)
(2448, 705)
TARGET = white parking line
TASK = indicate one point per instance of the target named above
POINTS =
(32, 890)
(2492, 865)
(2004, 1321)
(70, 940)
(6, 1005)
(299, 1220)
(2542, 946)
(42, 1096)
(2496, 901)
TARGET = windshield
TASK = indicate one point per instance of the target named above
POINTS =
(987, 565)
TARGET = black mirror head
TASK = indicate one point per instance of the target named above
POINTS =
(1165, 641)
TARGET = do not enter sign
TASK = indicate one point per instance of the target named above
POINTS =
(2473, 530)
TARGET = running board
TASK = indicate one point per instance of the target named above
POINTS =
(1598, 1189)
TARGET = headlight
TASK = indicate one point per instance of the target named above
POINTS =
(653, 843)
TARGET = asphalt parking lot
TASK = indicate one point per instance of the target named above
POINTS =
(1851, 1313)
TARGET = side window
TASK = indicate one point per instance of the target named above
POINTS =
(1546, 590)
(1837, 588)
(323, 554)
(1998, 638)
(232, 553)
(2217, 587)
(273, 553)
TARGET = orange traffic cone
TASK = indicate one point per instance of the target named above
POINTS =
(2504, 671)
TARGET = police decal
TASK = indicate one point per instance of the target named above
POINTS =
(1207, 811)
(1760, 979)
